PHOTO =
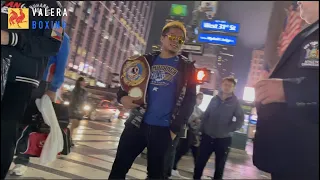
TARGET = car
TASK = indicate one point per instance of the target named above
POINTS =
(104, 111)
(90, 105)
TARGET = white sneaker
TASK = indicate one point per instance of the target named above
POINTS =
(176, 173)
(19, 170)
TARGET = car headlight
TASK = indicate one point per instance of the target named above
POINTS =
(126, 114)
(66, 102)
(86, 107)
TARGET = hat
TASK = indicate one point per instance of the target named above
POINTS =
(176, 24)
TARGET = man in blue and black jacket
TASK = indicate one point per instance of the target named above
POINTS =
(171, 96)
(52, 80)
(28, 50)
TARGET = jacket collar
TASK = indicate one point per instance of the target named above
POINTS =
(231, 96)
(181, 57)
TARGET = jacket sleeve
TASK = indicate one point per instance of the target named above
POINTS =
(205, 116)
(42, 45)
(120, 94)
(302, 92)
(62, 58)
(187, 104)
(239, 114)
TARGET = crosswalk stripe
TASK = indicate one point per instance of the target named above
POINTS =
(103, 124)
(138, 171)
(111, 159)
(100, 145)
(35, 173)
(84, 127)
(95, 137)
(76, 169)
(90, 131)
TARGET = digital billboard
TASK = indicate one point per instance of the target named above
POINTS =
(219, 25)
(217, 39)
(178, 10)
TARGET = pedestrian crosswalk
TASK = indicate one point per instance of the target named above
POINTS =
(94, 153)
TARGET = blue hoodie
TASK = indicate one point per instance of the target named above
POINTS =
(54, 72)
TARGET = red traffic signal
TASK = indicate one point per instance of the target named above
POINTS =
(202, 75)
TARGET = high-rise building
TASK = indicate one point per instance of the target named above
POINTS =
(224, 60)
(257, 70)
(104, 33)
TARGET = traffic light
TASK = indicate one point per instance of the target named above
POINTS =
(202, 75)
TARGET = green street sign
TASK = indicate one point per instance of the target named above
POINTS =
(178, 10)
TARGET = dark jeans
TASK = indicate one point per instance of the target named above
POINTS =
(209, 145)
(183, 148)
(15, 100)
(133, 141)
(170, 156)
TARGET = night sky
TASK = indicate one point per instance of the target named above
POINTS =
(253, 17)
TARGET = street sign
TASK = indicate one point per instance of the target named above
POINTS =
(192, 48)
(217, 39)
(219, 25)
(178, 10)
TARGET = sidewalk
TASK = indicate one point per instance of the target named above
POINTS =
(238, 166)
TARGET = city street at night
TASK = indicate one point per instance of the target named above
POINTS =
(160, 90)
(95, 148)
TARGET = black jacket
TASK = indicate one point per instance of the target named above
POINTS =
(186, 73)
(287, 134)
(29, 49)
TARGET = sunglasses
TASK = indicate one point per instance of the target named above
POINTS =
(174, 38)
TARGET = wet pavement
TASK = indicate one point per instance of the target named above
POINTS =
(95, 148)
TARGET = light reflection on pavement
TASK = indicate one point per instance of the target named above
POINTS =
(95, 148)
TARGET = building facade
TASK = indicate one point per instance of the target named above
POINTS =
(104, 33)
(257, 70)
(224, 60)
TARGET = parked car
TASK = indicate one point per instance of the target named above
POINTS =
(104, 111)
